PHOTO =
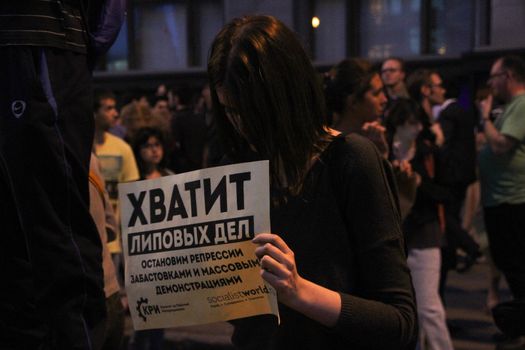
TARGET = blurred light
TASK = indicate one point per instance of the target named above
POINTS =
(316, 22)
(442, 50)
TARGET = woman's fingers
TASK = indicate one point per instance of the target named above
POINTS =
(275, 253)
(274, 267)
(273, 239)
(277, 263)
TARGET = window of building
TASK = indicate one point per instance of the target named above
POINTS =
(211, 19)
(507, 24)
(117, 56)
(330, 34)
(160, 36)
(450, 27)
(390, 28)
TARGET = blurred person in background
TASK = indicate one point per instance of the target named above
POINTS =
(355, 95)
(149, 147)
(393, 76)
(189, 134)
(457, 167)
(102, 212)
(357, 100)
(426, 88)
(502, 176)
(116, 160)
(425, 224)
(473, 210)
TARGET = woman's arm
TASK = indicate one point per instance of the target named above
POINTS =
(383, 302)
(278, 268)
(380, 312)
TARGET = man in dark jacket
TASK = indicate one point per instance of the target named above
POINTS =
(457, 158)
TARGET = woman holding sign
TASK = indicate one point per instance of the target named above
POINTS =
(336, 255)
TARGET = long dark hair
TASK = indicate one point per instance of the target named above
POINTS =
(351, 76)
(270, 82)
(416, 81)
(140, 139)
(402, 110)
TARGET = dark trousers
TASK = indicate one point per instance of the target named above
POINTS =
(456, 236)
(115, 323)
(505, 226)
(51, 264)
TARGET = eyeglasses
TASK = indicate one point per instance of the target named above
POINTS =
(440, 85)
(495, 75)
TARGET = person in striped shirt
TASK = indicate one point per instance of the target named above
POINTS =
(52, 293)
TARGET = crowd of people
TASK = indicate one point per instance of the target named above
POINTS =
(425, 138)
(386, 169)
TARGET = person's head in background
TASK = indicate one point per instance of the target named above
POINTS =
(426, 88)
(137, 96)
(354, 94)
(134, 116)
(105, 110)
(159, 104)
(203, 103)
(148, 147)
(507, 77)
(403, 125)
(267, 97)
(182, 98)
(161, 116)
(393, 76)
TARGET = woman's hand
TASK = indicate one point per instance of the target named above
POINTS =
(376, 133)
(279, 269)
(278, 266)
(438, 132)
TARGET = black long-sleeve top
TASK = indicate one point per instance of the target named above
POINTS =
(422, 225)
(457, 156)
(344, 230)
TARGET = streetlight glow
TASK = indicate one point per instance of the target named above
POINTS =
(316, 22)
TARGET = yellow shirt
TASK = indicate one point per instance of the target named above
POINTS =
(117, 164)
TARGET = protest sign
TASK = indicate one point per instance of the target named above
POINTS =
(187, 246)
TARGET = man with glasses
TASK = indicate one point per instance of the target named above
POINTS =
(457, 164)
(393, 76)
(502, 171)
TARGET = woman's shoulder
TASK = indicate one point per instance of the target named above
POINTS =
(353, 147)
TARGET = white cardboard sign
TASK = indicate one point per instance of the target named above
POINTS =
(187, 246)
